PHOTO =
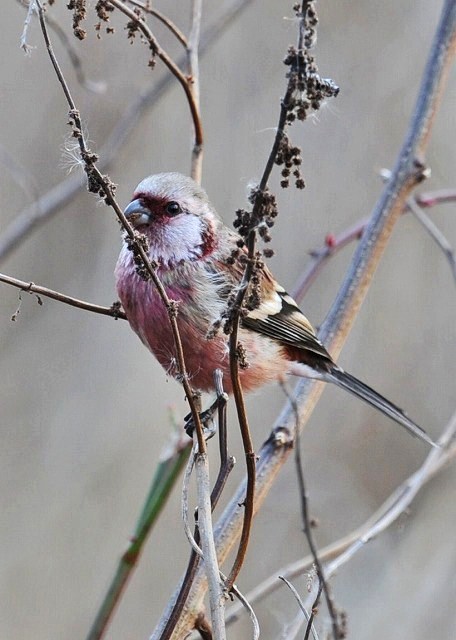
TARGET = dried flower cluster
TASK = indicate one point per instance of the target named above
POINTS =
(103, 10)
(79, 9)
(134, 245)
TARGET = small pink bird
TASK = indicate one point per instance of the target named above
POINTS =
(191, 247)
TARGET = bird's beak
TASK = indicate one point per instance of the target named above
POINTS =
(137, 214)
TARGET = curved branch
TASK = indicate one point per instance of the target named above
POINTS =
(164, 19)
(168, 62)
(31, 287)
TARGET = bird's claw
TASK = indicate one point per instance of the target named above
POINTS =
(207, 422)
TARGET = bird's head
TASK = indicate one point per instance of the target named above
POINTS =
(176, 216)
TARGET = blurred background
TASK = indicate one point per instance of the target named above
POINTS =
(85, 408)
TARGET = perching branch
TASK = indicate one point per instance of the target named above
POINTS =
(302, 79)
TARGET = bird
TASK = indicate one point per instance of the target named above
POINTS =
(192, 250)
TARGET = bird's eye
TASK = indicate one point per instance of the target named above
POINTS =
(173, 208)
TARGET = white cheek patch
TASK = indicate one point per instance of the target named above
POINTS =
(177, 240)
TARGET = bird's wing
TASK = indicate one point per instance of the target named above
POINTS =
(280, 318)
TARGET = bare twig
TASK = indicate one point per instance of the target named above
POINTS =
(226, 465)
(216, 590)
(194, 83)
(308, 616)
(249, 459)
(207, 550)
(185, 504)
(114, 311)
(247, 606)
(164, 19)
(343, 549)
(301, 75)
(307, 526)
(432, 198)
(28, 18)
(169, 63)
(335, 243)
(435, 233)
(323, 585)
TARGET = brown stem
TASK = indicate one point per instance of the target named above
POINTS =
(31, 287)
(172, 66)
(164, 19)
(249, 459)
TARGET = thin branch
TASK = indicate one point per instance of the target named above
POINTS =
(185, 504)
(300, 74)
(335, 328)
(226, 465)
(308, 616)
(169, 63)
(216, 590)
(250, 459)
(304, 503)
(194, 83)
(398, 502)
(432, 198)
(200, 463)
(28, 18)
(164, 19)
(335, 243)
(401, 499)
(52, 202)
(114, 311)
(233, 346)
(248, 607)
(435, 234)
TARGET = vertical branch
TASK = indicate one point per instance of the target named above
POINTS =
(216, 590)
(157, 50)
(250, 459)
(194, 85)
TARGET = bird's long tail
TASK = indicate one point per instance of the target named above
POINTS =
(362, 391)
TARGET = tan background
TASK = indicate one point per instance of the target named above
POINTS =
(84, 407)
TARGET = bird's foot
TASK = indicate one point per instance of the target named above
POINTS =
(207, 421)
